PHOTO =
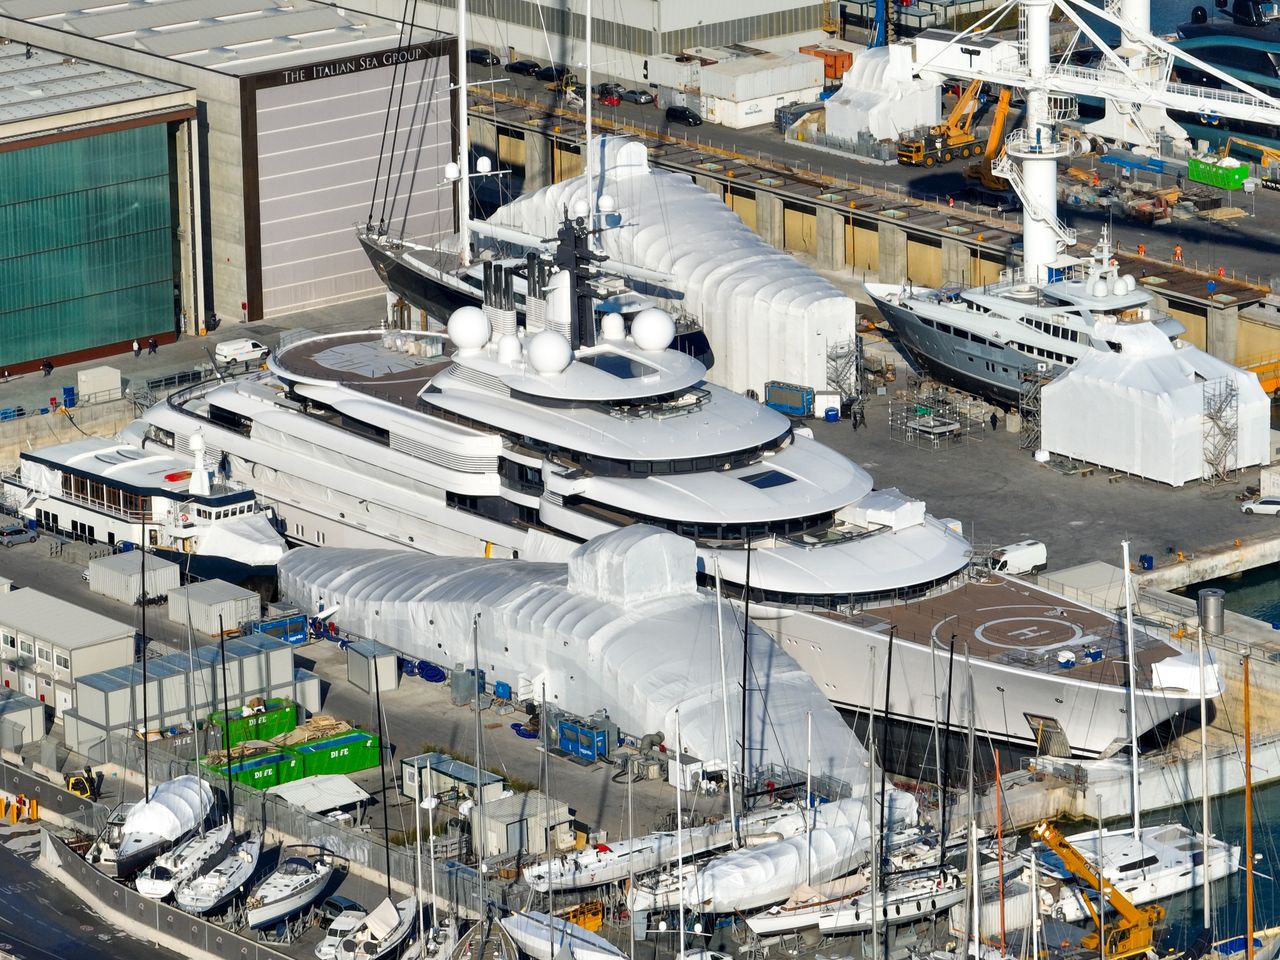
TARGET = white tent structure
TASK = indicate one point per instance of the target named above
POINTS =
(623, 627)
(1146, 409)
(176, 807)
(880, 97)
(766, 316)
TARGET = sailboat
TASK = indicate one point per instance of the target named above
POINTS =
(207, 892)
(381, 932)
(1144, 863)
(543, 937)
(175, 867)
(174, 810)
(291, 887)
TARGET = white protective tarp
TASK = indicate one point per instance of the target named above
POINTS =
(1152, 398)
(753, 877)
(249, 540)
(766, 315)
(176, 807)
(880, 97)
(621, 627)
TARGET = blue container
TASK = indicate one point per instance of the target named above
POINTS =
(831, 414)
(502, 690)
(1147, 561)
(68, 396)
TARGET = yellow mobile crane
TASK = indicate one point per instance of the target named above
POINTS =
(1133, 933)
(1269, 163)
(981, 171)
(949, 139)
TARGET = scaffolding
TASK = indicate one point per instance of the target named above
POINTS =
(933, 417)
(1221, 430)
(845, 374)
(1030, 384)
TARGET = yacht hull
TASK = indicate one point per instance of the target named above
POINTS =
(956, 361)
(1013, 705)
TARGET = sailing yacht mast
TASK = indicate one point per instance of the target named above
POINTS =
(724, 701)
(1133, 696)
(463, 198)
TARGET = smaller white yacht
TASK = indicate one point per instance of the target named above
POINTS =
(343, 925)
(175, 867)
(381, 932)
(1157, 863)
(291, 887)
(205, 893)
(117, 493)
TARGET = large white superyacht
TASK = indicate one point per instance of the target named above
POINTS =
(497, 440)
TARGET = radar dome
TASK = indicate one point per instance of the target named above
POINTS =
(509, 348)
(612, 327)
(549, 352)
(653, 329)
(468, 328)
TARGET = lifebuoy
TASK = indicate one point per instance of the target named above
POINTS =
(184, 518)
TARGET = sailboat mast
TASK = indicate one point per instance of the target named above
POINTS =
(875, 847)
(724, 701)
(146, 712)
(588, 154)
(1248, 817)
(942, 779)
(226, 713)
(463, 199)
(1133, 695)
(382, 768)
(1204, 792)
(884, 739)
(680, 833)
(746, 666)
(475, 648)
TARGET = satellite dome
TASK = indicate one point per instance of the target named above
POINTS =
(612, 327)
(653, 329)
(509, 348)
(468, 328)
(549, 352)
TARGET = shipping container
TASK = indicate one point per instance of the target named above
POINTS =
(789, 398)
(98, 384)
(348, 752)
(369, 660)
(277, 715)
(206, 602)
(119, 576)
(1225, 172)
(291, 628)
(262, 771)
(836, 61)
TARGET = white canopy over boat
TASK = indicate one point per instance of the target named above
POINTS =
(250, 540)
(766, 315)
(624, 627)
(175, 807)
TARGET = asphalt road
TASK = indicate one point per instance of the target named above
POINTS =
(1246, 246)
(41, 920)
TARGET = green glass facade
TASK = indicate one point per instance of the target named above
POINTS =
(86, 243)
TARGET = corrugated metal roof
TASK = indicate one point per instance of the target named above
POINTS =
(319, 794)
(47, 84)
(55, 621)
(230, 36)
(11, 701)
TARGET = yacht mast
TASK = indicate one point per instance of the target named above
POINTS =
(724, 703)
(1133, 696)
(587, 153)
(463, 197)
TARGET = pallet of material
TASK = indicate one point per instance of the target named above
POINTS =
(1224, 213)
(243, 750)
(318, 727)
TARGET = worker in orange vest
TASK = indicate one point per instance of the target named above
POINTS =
(1222, 272)
(1177, 253)
(1142, 249)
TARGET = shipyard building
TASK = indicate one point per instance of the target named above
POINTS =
(95, 207)
(292, 137)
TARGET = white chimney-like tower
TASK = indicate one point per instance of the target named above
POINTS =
(199, 473)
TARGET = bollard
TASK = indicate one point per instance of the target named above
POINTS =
(33, 811)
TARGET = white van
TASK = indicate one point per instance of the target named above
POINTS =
(238, 350)
(1026, 556)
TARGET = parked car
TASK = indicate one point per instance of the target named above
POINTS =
(637, 96)
(238, 350)
(12, 533)
(526, 68)
(482, 56)
(1261, 505)
(551, 73)
(608, 87)
(683, 115)
(609, 99)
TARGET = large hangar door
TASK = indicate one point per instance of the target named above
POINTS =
(319, 144)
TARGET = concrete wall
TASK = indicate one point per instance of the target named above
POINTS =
(28, 433)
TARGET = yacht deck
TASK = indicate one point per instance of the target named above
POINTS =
(360, 361)
(1014, 623)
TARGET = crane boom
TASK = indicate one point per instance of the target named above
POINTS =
(1134, 932)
